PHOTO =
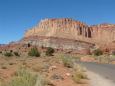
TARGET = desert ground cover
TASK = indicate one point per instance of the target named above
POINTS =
(41, 70)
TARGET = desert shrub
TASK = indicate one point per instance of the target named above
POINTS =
(23, 78)
(113, 52)
(11, 63)
(42, 47)
(49, 51)
(78, 74)
(11, 51)
(3, 67)
(29, 45)
(16, 54)
(0, 52)
(34, 52)
(8, 54)
(67, 61)
(41, 81)
(97, 52)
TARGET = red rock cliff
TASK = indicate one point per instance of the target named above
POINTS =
(103, 34)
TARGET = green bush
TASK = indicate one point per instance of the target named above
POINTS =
(8, 54)
(34, 52)
(16, 54)
(49, 51)
(97, 52)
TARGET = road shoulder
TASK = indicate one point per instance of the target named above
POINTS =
(97, 80)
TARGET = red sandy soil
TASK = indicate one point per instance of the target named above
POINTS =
(12, 64)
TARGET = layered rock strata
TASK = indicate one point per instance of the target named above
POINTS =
(67, 33)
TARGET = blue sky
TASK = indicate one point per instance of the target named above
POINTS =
(16, 16)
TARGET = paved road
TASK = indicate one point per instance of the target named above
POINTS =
(104, 70)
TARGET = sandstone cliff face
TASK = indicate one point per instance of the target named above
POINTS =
(104, 33)
(62, 28)
(54, 32)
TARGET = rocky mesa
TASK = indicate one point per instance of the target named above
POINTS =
(67, 33)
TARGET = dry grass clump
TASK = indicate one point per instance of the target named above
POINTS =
(41, 81)
(78, 71)
(23, 78)
(79, 75)
(67, 61)
(2, 82)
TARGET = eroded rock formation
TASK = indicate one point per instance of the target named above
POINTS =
(62, 28)
(70, 34)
